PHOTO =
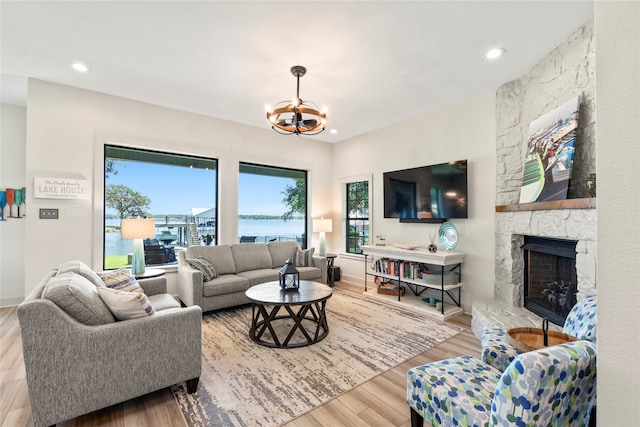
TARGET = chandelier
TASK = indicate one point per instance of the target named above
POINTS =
(297, 116)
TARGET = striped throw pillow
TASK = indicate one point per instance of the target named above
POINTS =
(121, 280)
(303, 257)
(204, 266)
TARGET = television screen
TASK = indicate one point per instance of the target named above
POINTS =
(428, 192)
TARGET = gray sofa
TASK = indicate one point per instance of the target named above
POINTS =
(75, 368)
(239, 266)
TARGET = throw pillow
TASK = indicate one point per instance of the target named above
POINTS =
(121, 280)
(79, 298)
(204, 266)
(126, 305)
(303, 257)
(79, 267)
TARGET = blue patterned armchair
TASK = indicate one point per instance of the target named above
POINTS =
(553, 386)
(580, 323)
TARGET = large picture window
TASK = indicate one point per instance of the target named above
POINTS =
(178, 191)
(272, 204)
(357, 216)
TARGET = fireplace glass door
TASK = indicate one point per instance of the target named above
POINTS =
(550, 282)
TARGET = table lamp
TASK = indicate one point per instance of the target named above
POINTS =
(322, 226)
(138, 229)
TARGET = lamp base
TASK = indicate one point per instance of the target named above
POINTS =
(137, 263)
(323, 245)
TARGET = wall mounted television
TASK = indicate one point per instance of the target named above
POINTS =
(428, 193)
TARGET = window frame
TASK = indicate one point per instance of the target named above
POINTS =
(198, 159)
(344, 183)
(305, 172)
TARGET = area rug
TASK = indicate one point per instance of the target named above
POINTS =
(246, 384)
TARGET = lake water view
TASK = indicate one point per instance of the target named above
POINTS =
(263, 229)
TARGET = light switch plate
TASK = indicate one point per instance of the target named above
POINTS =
(48, 213)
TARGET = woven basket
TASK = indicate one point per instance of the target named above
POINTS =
(450, 278)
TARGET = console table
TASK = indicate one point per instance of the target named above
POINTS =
(439, 264)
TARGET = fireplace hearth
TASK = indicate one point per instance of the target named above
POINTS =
(550, 279)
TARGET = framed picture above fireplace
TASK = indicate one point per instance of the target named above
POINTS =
(550, 151)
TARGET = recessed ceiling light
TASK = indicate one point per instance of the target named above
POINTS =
(495, 53)
(78, 66)
(334, 131)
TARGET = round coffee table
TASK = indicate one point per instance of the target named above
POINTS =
(299, 316)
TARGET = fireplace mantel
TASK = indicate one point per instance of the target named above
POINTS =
(586, 203)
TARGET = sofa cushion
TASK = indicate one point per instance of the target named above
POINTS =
(163, 302)
(309, 273)
(256, 277)
(126, 305)
(79, 267)
(281, 252)
(219, 256)
(201, 264)
(304, 257)
(225, 284)
(79, 298)
(251, 256)
(121, 280)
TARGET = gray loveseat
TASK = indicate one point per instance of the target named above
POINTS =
(239, 267)
(74, 368)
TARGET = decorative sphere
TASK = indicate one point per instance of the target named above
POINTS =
(433, 248)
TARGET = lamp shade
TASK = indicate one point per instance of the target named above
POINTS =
(322, 225)
(138, 228)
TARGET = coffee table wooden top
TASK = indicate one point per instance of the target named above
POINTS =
(529, 339)
(270, 293)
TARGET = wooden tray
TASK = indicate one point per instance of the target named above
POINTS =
(528, 339)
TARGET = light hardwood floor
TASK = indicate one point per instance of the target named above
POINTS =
(380, 401)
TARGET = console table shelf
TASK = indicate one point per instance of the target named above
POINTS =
(447, 261)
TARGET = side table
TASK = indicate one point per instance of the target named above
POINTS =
(149, 273)
(330, 276)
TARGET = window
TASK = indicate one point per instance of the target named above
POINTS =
(272, 204)
(357, 216)
(178, 191)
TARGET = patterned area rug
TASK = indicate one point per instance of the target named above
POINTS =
(246, 384)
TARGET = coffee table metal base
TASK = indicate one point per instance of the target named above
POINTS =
(310, 319)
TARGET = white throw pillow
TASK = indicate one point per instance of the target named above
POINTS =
(126, 305)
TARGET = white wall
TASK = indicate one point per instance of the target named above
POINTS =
(67, 128)
(462, 131)
(12, 231)
(617, 27)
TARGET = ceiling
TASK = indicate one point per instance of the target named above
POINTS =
(372, 63)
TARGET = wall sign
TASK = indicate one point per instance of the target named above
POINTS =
(60, 188)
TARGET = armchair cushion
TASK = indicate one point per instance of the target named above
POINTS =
(126, 305)
(201, 264)
(79, 298)
(79, 267)
(121, 280)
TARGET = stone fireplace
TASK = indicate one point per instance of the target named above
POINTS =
(566, 71)
(507, 308)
